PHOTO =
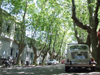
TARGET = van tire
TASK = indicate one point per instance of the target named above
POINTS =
(92, 68)
(67, 68)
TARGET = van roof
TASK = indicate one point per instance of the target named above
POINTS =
(72, 43)
(75, 44)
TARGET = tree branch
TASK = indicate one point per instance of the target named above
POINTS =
(96, 13)
(78, 23)
(76, 33)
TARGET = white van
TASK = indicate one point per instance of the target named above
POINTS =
(78, 56)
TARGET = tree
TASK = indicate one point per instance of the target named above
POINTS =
(91, 29)
(1, 16)
(21, 41)
(44, 21)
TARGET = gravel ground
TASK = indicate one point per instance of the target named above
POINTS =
(36, 70)
(44, 70)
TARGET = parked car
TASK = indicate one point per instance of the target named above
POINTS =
(78, 56)
(57, 62)
(52, 62)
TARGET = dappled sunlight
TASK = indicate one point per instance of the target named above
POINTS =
(51, 70)
(95, 73)
(21, 72)
(35, 34)
(45, 70)
(59, 68)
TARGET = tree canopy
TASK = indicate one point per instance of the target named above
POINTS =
(55, 23)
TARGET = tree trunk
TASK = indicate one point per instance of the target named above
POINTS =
(90, 29)
(43, 58)
(77, 37)
(35, 53)
(45, 54)
(35, 59)
(21, 47)
(21, 44)
(88, 41)
(1, 19)
(98, 55)
(94, 43)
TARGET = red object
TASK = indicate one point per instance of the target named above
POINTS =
(92, 59)
(63, 61)
(98, 34)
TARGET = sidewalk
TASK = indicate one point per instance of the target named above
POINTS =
(22, 66)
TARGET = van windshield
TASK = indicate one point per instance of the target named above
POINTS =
(78, 47)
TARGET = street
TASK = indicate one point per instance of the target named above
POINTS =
(45, 70)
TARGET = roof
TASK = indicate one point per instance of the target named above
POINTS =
(70, 44)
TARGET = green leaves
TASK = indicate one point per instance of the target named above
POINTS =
(45, 18)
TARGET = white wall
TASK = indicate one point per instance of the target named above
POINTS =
(11, 32)
(26, 55)
(5, 47)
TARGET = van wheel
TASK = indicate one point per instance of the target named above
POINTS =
(67, 68)
(92, 68)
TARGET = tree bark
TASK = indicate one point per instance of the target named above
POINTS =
(1, 19)
(20, 47)
(36, 51)
(79, 39)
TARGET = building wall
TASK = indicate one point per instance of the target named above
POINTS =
(8, 49)
(8, 25)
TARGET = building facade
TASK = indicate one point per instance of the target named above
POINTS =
(9, 48)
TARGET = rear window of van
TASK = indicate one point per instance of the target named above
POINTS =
(76, 47)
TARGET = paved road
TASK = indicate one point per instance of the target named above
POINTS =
(45, 70)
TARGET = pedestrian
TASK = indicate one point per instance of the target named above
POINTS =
(27, 63)
(98, 34)
(7, 63)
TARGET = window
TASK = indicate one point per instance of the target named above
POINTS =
(4, 52)
(11, 51)
(31, 55)
(27, 54)
(16, 53)
(78, 47)
(8, 28)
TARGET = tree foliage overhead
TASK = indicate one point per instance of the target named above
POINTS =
(49, 22)
(91, 26)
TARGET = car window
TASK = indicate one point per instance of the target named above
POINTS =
(78, 47)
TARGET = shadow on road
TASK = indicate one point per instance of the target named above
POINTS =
(79, 70)
(43, 70)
